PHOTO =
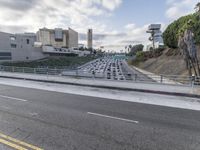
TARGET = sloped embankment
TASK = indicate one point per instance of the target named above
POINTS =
(171, 62)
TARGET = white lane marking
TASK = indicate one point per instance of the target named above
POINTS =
(13, 98)
(111, 117)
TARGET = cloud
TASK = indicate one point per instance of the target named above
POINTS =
(111, 4)
(30, 15)
(130, 26)
(13, 28)
(132, 34)
(20, 5)
(178, 8)
(34, 14)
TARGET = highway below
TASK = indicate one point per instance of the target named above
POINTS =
(61, 121)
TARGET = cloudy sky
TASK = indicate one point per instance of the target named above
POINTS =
(116, 23)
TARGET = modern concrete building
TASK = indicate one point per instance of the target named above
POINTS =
(90, 38)
(19, 47)
(45, 43)
(58, 38)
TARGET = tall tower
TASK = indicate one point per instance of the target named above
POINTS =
(90, 39)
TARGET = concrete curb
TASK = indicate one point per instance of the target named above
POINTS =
(109, 87)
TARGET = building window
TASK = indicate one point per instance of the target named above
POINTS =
(27, 41)
(12, 38)
(13, 45)
(5, 56)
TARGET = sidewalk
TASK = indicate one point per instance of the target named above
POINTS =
(178, 90)
(154, 76)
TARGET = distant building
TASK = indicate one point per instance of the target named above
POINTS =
(90, 38)
(45, 43)
(56, 42)
(19, 47)
(58, 38)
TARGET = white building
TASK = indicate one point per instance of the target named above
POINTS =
(45, 43)
(19, 47)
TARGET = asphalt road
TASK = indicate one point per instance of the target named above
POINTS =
(58, 121)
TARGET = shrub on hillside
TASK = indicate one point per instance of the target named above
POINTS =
(135, 49)
(140, 56)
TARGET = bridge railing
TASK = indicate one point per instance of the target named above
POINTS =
(145, 78)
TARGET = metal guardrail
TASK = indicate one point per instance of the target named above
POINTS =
(145, 78)
(47, 71)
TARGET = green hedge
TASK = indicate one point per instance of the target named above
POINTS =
(58, 62)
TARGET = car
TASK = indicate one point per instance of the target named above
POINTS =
(121, 78)
(115, 78)
(108, 77)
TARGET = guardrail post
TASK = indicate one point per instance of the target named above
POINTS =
(13, 69)
(93, 73)
(161, 78)
(192, 81)
(135, 77)
(34, 70)
(2, 68)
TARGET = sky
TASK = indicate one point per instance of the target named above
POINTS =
(115, 23)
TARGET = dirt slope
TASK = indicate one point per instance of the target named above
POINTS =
(170, 63)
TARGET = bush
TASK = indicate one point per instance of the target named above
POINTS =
(135, 49)
(52, 62)
(140, 55)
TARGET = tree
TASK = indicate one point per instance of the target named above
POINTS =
(197, 7)
(176, 28)
(135, 49)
